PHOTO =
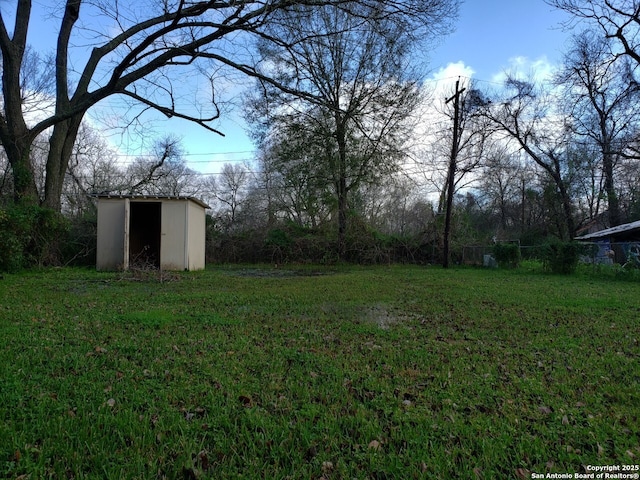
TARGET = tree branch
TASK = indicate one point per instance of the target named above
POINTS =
(171, 112)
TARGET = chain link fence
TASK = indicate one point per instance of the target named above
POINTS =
(626, 254)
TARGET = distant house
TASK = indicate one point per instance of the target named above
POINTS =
(619, 243)
(150, 231)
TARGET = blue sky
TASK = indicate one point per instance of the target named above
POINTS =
(490, 34)
(490, 37)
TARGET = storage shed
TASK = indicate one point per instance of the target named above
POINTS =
(150, 231)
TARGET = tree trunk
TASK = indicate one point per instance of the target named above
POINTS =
(15, 135)
(609, 187)
(554, 170)
(567, 229)
(60, 150)
(523, 200)
(568, 212)
(342, 218)
(341, 187)
(24, 186)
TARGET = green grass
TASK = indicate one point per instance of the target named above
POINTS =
(401, 372)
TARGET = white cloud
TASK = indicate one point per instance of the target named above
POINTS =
(430, 121)
(540, 69)
(445, 78)
(439, 87)
(453, 70)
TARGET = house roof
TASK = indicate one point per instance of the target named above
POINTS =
(610, 232)
(154, 197)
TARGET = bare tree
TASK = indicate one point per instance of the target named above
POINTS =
(587, 179)
(500, 190)
(230, 190)
(602, 96)
(92, 169)
(162, 172)
(135, 50)
(529, 116)
(390, 207)
(618, 20)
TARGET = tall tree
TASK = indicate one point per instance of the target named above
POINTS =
(353, 66)
(618, 20)
(161, 172)
(603, 99)
(230, 190)
(499, 187)
(135, 50)
(529, 116)
(297, 189)
(92, 169)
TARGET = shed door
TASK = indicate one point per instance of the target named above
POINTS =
(144, 234)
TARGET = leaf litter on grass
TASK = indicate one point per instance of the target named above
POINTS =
(477, 382)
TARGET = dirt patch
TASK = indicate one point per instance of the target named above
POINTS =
(383, 317)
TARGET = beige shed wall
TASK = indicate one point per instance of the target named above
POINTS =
(174, 235)
(110, 242)
(197, 234)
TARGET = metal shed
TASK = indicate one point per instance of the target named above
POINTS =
(153, 231)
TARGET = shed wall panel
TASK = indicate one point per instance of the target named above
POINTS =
(197, 234)
(111, 234)
(173, 237)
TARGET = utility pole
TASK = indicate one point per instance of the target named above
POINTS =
(455, 146)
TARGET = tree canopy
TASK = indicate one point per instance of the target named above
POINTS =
(138, 51)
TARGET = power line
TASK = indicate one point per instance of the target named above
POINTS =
(238, 152)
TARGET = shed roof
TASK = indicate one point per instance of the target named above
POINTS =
(610, 232)
(153, 197)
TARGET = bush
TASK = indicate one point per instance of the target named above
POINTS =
(507, 254)
(291, 242)
(30, 235)
(12, 239)
(79, 247)
(561, 257)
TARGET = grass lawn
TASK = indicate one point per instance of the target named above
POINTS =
(386, 372)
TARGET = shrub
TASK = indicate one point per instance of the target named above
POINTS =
(12, 239)
(507, 254)
(561, 257)
(79, 247)
(30, 235)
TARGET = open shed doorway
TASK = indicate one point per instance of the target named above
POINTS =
(145, 224)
